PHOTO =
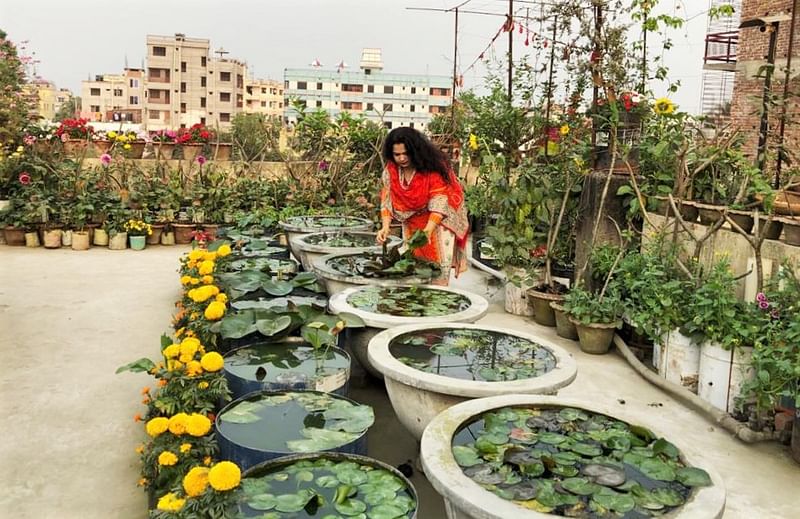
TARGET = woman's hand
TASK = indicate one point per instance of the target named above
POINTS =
(383, 235)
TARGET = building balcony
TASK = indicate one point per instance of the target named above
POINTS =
(721, 50)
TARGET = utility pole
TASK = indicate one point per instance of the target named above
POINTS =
(455, 68)
(510, 27)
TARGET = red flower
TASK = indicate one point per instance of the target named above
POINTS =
(24, 178)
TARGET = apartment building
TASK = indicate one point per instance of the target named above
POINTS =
(114, 97)
(42, 97)
(264, 96)
(63, 96)
(393, 99)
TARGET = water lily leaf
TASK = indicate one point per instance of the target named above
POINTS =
(446, 350)
(270, 327)
(524, 490)
(242, 413)
(352, 477)
(237, 324)
(262, 502)
(304, 278)
(567, 471)
(643, 432)
(252, 487)
(535, 505)
(405, 502)
(466, 456)
(657, 469)
(565, 458)
(304, 476)
(693, 477)
(667, 496)
(293, 502)
(386, 511)
(615, 501)
(580, 486)
(662, 446)
(351, 320)
(343, 416)
(320, 440)
(277, 288)
(377, 495)
(327, 481)
(618, 443)
(552, 438)
(351, 507)
(569, 414)
(586, 449)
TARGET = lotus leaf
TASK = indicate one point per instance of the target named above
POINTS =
(327, 481)
(386, 511)
(354, 476)
(693, 477)
(657, 469)
(466, 456)
(610, 500)
(580, 486)
(262, 502)
(293, 502)
(242, 413)
(667, 496)
(320, 440)
(277, 288)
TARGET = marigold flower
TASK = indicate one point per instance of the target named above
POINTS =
(225, 475)
(179, 332)
(223, 250)
(172, 351)
(564, 130)
(185, 447)
(198, 425)
(140, 449)
(194, 281)
(473, 141)
(185, 280)
(137, 417)
(196, 254)
(145, 390)
(162, 382)
(156, 426)
(209, 256)
(214, 311)
(203, 385)
(174, 365)
(195, 481)
(206, 267)
(170, 503)
(190, 345)
(193, 368)
(177, 423)
(207, 461)
(167, 459)
(222, 298)
(146, 400)
(207, 279)
(186, 358)
(142, 482)
(212, 361)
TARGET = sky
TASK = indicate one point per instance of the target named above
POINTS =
(75, 40)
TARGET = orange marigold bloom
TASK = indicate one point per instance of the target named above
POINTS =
(145, 390)
(142, 482)
(162, 382)
(137, 417)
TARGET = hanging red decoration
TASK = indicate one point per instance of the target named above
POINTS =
(544, 44)
(481, 56)
(527, 42)
(520, 28)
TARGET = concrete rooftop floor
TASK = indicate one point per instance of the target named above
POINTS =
(69, 319)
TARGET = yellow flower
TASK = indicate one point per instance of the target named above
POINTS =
(142, 482)
(186, 358)
(222, 298)
(663, 106)
(212, 361)
(194, 281)
(206, 267)
(174, 365)
(185, 280)
(198, 425)
(140, 449)
(203, 385)
(111, 134)
(172, 351)
(196, 254)
(127, 147)
(207, 461)
(170, 503)
(225, 475)
(179, 332)
(195, 481)
(185, 447)
(564, 130)
(210, 256)
(190, 345)
(207, 279)
(177, 424)
(193, 368)
(214, 311)
(156, 426)
(223, 250)
(473, 141)
(167, 459)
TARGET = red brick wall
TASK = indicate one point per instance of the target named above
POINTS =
(747, 91)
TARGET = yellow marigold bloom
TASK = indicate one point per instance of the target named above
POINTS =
(127, 146)
(189, 333)
(186, 359)
(225, 475)
(210, 256)
(207, 279)
(202, 294)
(214, 311)
(185, 447)
(190, 345)
(206, 267)
(193, 316)
(473, 141)
(198, 425)
(193, 368)
(172, 351)
(170, 503)
(111, 135)
(167, 459)
(174, 365)
(212, 361)
(194, 281)
(196, 254)
(564, 130)
(140, 449)
(191, 264)
(177, 424)
(663, 106)
(223, 250)
(195, 481)
(222, 298)
(156, 426)
(185, 280)
(207, 461)
(179, 332)
(203, 385)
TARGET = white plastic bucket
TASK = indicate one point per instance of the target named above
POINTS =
(678, 359)
(722, 373)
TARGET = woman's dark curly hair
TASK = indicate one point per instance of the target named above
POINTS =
(423, 154)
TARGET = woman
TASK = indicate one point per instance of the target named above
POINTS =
(421, 191)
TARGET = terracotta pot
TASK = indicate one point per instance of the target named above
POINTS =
(155, 237)
(183, 233)
(119, 241)
(211, 230)
(163, 150)
(222, 152)
(774, 230)
(100, 237)
(191, 151)
(80, 240)
(791, 233)
(75, 147)
(744, 221)
(595, 338)
(14, 236)
(709, 216)
(32, 239)
(101, 147)
(52, 238)
(135, 151)
(539, 303)
(168, 238)
(564, 327)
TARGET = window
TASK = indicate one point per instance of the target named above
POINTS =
(134, 83)
(117, 92)
(263, 103)
(369, 106)
(388, 89)
(183, 87)
(410, 125)
(202, 61)
(352, 88)
(413, 91)
(440, 91)
(370, 89)
(387, 107)
(351, 105)
(224, 117)
(280, 105)
(263, 90)
(154, 114)
(387, 125)
(224, 76)
(133, 100)
(302, 85)
(319, 104)
(159, 51)
(225, 97)
(94, 92)
(183, 108)
(202, 102)
(183, 66)
(202, 120)
(319, 86)
(155, 94)
(413, 108)
(203, 81)
(94, 108)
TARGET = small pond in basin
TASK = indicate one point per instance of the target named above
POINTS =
(471, 354)
(293, 422)
(341, 239)
(408, 301)
(325, 488)
(574, 463)
(321, 222)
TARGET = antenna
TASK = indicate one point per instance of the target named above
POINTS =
(221, 52)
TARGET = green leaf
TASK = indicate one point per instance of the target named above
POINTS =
(320, 440)
(270, 327)
(662, 446)
(293, 502)
(351, 507)
(693, 477)
(242, 413)
(138, 366)
(580, 486)
(262, 502)
(237, 325)
(466, 456)
(386, 511)
(277, 288)
(667, 496)
(657, 469)
(351, 320)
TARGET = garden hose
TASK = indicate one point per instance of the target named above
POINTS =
(720, 418)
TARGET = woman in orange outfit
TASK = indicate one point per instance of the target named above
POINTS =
(421, 191)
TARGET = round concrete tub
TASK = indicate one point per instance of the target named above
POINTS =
(357, 339)
(465, 499)
(417, 396)
(297, 225)
(308, 252)
(336, 281)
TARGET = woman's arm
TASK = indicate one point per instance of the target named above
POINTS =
(386, 211)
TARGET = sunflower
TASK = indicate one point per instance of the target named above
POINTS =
(663, 106)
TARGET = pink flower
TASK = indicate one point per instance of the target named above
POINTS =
(763, 305)
(323, 166)
(24, 178)
(105, 158)
(29, 140)
(761, 297)
(201, 160)
(64, 137)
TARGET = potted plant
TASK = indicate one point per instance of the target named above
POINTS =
(75, 135)
(163, 143)
(596, 316)
(192, 140)
(138, 231)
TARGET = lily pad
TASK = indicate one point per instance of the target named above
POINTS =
(693, 477)
(386, 511)
(580, 486)
(466, 456)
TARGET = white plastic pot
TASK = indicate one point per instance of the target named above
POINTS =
(722, 374)
(307, 252)
(678, 359)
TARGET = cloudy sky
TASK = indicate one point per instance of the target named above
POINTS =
(74, 40)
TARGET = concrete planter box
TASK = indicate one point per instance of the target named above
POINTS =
(309, 252)
(298, 225)
(465, 499)
(357, 339)
(417, 396)
(336, 281)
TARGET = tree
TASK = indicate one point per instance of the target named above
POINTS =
(14, 107)
(68, 109)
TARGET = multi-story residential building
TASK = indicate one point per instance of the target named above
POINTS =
(264, 96)
(114, 97)
(42, 96)
(392, 99)
(63, 96)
